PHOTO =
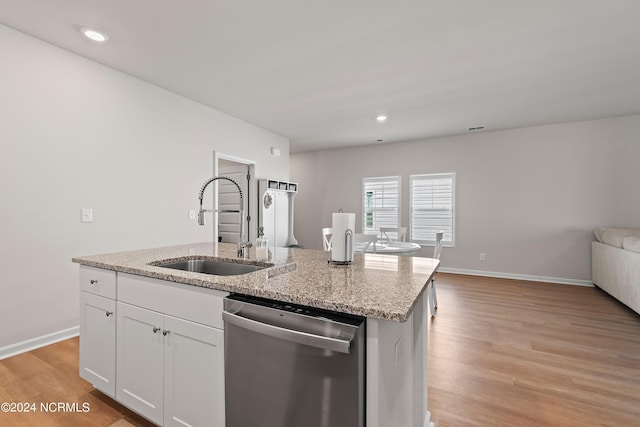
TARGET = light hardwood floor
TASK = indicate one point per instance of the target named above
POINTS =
(516, 353)
(501, 353)
(50, 375)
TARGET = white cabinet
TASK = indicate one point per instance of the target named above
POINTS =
(193, 374)
(170, 370)
(170, 352)
(154, 346)
(98, 281)
(98, 328)
(140, 361)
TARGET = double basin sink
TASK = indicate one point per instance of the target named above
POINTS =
(215, 267)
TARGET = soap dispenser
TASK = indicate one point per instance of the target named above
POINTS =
(262, 246)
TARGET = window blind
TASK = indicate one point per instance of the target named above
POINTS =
(432, 207)
(380, 203)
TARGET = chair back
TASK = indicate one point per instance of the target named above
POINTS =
(397, 234)
(327, 235)
(437, 250)
(362, 242)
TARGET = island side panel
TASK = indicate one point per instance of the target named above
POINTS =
(421, 414)
(397, 371)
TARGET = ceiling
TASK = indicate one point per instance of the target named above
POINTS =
(319, 71)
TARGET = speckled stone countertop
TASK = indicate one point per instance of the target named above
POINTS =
(375, 285)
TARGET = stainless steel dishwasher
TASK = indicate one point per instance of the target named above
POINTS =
(292, 366)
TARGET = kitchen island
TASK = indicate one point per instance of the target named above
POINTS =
(389, 291)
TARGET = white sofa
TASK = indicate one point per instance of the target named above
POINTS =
(615, 264)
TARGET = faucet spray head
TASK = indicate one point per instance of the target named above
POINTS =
(201, 217)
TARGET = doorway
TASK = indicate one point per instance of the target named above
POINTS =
(227, 226)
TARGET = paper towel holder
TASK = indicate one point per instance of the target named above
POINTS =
(348, 244)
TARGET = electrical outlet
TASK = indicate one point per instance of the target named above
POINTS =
(86, 215)
(192, 214)
(483, 256)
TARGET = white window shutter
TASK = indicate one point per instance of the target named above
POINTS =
(380, 203)
(433, 207)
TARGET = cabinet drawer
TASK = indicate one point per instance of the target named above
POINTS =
(201, 305)
(98, 281)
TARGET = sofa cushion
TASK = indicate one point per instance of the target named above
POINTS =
(615, 236)
(631, 244)
(598, 232)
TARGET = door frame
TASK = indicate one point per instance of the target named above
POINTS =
(251, 226)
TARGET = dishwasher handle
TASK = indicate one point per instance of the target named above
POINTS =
(299, 337)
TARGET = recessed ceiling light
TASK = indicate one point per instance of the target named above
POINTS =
(381, 118)
(94, 35)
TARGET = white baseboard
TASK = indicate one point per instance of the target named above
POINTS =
(527, 277)
(32, 344)
(427, 420)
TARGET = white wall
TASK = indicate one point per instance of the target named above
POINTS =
(528, 198)
(75, 134)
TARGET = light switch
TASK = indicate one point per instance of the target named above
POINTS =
(87, 215)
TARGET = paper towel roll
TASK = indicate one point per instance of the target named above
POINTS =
(341, 222)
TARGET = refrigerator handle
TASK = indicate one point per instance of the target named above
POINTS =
(325, 343)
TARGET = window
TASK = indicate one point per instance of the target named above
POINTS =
(380, 203)
(432, 207)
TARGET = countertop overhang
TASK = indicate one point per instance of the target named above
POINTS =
(380, 286)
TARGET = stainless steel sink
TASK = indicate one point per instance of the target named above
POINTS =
(209, 266)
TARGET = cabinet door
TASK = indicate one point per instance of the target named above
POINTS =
(98, 342)
(194, 374)
(140, 361)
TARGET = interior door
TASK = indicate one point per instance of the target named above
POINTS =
(229, 199)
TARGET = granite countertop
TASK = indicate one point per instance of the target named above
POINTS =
(378, 286)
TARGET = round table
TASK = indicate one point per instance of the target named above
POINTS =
(392, 247)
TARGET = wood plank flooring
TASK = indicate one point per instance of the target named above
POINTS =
(516, 353)
(501, 353)
(50, 375)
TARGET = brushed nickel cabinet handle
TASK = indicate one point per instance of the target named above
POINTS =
(165, 332)
(155, 329)
(109, 313)
(94, 281)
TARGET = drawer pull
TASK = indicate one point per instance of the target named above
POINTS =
(109, 313)
(165, 332)
(155, 329)
(94, 281)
